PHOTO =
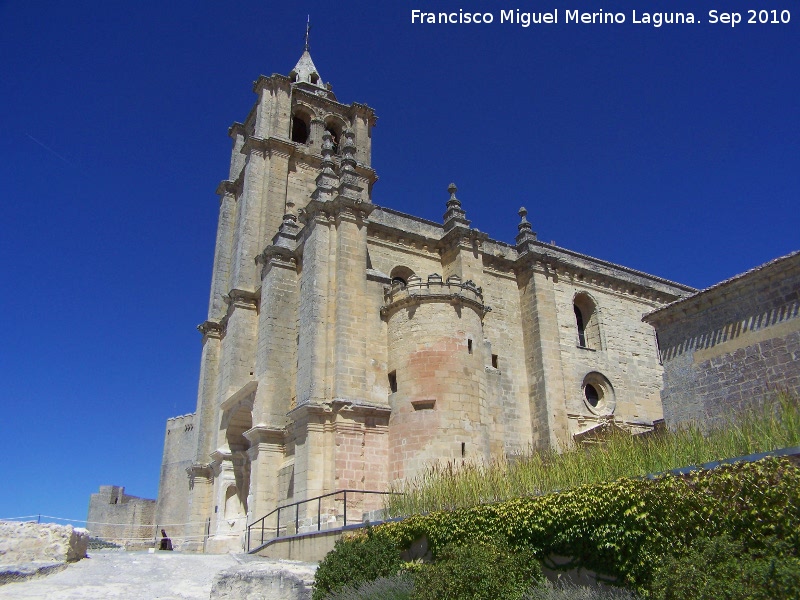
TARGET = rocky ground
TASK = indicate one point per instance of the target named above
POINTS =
(133, 576)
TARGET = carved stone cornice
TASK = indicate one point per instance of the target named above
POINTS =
(276, 81)
(202, 472)
(360, 407)
(227, 187)
(416, 292)
(263, 434)
(309, 408)
(211, 329)
(365, 111)
(337, 208)
(237, 298)
(461, 237)
(277, 256)
(236, 129)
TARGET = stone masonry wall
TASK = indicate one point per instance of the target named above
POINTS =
(180, 441)
(627, 354)
(733, 345)
(117, 517)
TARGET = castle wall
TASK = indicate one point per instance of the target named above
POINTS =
(119, 518)
(171, 510)
(732, 346)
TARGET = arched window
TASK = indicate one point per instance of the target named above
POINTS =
(586, 321)
(334, 127)
(301, 127)
(400, 275)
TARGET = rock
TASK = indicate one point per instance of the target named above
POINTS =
(274, 579)
(17, 573)
(22, 543)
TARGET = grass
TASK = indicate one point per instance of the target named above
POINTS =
(446, 486)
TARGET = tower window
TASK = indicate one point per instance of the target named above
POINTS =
(393, 381)
(581, 327)
(400, 275)
(314, 78)
(469, 346)
(587, 322)
(335, 129)
(299, 130)
(495, 361)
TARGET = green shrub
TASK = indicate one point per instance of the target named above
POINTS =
(621, 529)
(356, 561)
(478, 571)
(568, 591)
(722, 568)
(398, 587)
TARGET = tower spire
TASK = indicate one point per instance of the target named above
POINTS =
(305, 70)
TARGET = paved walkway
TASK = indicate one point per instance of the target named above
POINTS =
(127, 576)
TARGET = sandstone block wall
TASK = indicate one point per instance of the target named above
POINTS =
(171, 511)
(732, 345)
(46, 542)
(116, 517)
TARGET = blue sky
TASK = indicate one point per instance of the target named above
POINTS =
(673, 150)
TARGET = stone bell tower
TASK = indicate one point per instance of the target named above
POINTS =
(298, 153)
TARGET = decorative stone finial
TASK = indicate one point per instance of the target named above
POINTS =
(526, 232)
(453, 189)
(349, 186)
(327, 181)
(455, 215)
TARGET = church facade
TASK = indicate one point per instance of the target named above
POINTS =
(349, 345)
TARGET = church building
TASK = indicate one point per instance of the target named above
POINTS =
(350, 345)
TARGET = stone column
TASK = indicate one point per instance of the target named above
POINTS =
(542, 353)
(266, 455)
(350, 350)
(222, 249)
(208, 390)
(201, 486)
(246, 237)
(237, 360)
(312, 364)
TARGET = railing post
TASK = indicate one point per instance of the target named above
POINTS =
(278, 523)
(263, 522)
(345, 509)
(297, 519)
(319, 513)
(248, 537)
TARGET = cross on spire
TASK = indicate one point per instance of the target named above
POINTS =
(308, 28)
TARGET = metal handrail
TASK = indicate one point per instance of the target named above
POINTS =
(318, 500)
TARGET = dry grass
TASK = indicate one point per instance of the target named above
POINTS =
(462, 484)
